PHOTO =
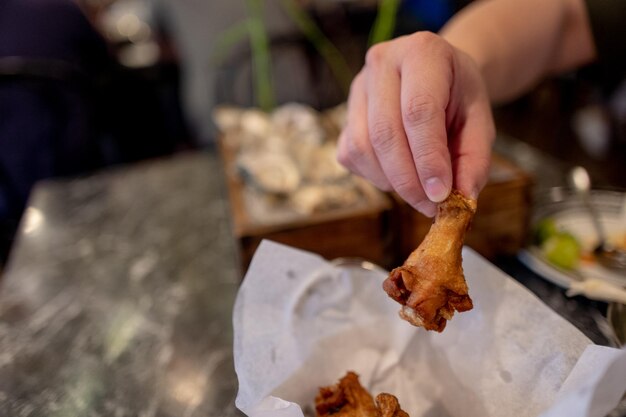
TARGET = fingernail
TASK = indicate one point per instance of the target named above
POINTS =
(436, 190)
(427, 208)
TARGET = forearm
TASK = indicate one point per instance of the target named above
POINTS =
(517, 42)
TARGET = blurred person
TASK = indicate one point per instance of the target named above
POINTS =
(48, 51)
(419, 112)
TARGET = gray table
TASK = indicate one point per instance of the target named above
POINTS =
(117, 297)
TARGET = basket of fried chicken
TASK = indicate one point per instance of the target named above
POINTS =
(444, 334)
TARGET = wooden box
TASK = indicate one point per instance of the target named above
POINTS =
(362, 231)
(501, 223)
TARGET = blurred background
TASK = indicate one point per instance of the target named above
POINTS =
(147, 147)
(88, 84)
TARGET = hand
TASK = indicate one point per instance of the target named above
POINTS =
(419, 121)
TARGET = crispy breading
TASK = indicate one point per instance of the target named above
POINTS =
(348, 398)
(389, 406)
(430, 284)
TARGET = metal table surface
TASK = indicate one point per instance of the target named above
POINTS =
(118, 295)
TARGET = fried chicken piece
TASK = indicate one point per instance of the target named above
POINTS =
(348, 398)
(431, 285)
(389, 406)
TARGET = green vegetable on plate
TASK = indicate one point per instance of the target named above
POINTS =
(559, 247)
(562, 249)
(545, 229)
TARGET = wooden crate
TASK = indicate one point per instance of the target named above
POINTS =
(359, 232)
(501, 223)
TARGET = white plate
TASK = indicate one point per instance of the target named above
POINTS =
(569, 215)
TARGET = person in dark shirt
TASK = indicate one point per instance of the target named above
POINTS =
(49, 52)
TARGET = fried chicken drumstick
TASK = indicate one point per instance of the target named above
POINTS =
(431, 285)
(348, 398)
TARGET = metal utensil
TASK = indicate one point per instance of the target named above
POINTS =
(616, 318)
(605, 253)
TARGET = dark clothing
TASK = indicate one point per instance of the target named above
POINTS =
(50, 29)
(48, 50)
(608, 25)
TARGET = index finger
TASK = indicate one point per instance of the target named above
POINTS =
(386, 130)
(427, 78)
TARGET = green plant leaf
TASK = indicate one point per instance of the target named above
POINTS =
(329, 52)
(262, 65)
(385, 22)
(228, 39)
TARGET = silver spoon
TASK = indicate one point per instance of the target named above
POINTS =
(605, 253)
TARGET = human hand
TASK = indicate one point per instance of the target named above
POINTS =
(419, 121)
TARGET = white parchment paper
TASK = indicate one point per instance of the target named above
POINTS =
(301, 323)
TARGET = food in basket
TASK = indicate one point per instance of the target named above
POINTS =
(430, 284)
(348, 398)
